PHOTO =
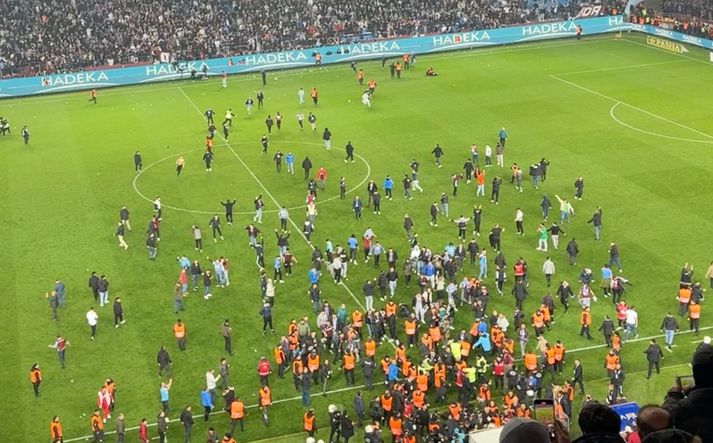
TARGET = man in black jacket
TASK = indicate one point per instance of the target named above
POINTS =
(654, 355)
(578, 376)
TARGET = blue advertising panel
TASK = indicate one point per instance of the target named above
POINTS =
(627, 412)
(673, 35)
(301, 58)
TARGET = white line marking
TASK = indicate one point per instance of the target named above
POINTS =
(262, 185)
(591, 91)
(655, 134)
(587, 348)
(597, 380)
(618, 68)
(282, 400)
(269, 211)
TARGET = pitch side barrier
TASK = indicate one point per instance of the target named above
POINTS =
(24, 86)
(671, 35)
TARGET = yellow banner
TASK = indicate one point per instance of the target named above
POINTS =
(665, 44)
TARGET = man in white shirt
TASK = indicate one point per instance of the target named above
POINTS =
(92, 319)
(301, 96)
(631, 323)
(211, 380)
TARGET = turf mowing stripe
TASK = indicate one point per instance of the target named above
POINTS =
(644, 111)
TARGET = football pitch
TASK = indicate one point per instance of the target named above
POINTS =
(631, 119)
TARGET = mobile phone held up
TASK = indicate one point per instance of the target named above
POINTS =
(544, 409)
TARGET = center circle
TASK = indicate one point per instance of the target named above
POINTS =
(167, 205)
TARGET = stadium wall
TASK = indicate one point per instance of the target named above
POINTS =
(17, 87)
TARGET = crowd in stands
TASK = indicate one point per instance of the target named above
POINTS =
(692, 17)
(53, 36)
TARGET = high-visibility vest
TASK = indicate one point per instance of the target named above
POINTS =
(550, 354)
(348, 361)
(279, 355)
(538, 320)
(370, 348)
(386, 403)
(464, 348)
(510, 400)
(418, 398)
(408, 439)
(395, 426)
(530, 361)
(237, 410)
(410, 327)
(611, 361)
(35, 376)
(545, 313)
(96, 423)
(435, 333)
(55, 430)
(400, 354)
(308, 421)
(297, 366)
(684, 295)
(357, 319)
(616, 342)
(559, 352)
(265, 396)
(694, 311)
(179, 330)
(427, 341)
(585, 319)
(520, 412)
(390, 309)
(454, 409)
(422, 382)
(484, 393)
(313, 362)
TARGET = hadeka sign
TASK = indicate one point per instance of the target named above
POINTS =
(306, 57)
(460, 38)
(70, 80)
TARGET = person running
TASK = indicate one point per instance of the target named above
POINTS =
(93, 96)
(180, 162)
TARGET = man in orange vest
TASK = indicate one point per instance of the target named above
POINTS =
(36, 378)
(97, 426)
(237, 414)
(265, 401)
(56, 430)
(309, 423)
(684, 298)
(179, 331)
(585, 319)
(410, 330)
(559, 356)
(694, 316)
(348, 363)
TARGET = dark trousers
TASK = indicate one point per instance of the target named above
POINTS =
(229, 217)
(267, 321)
(36, 388)
(228, 345)
(652, 365)
(585, 332)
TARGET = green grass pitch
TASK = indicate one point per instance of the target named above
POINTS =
(627, 117)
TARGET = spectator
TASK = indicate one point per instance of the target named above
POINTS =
(599, 424)
(692, 408)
